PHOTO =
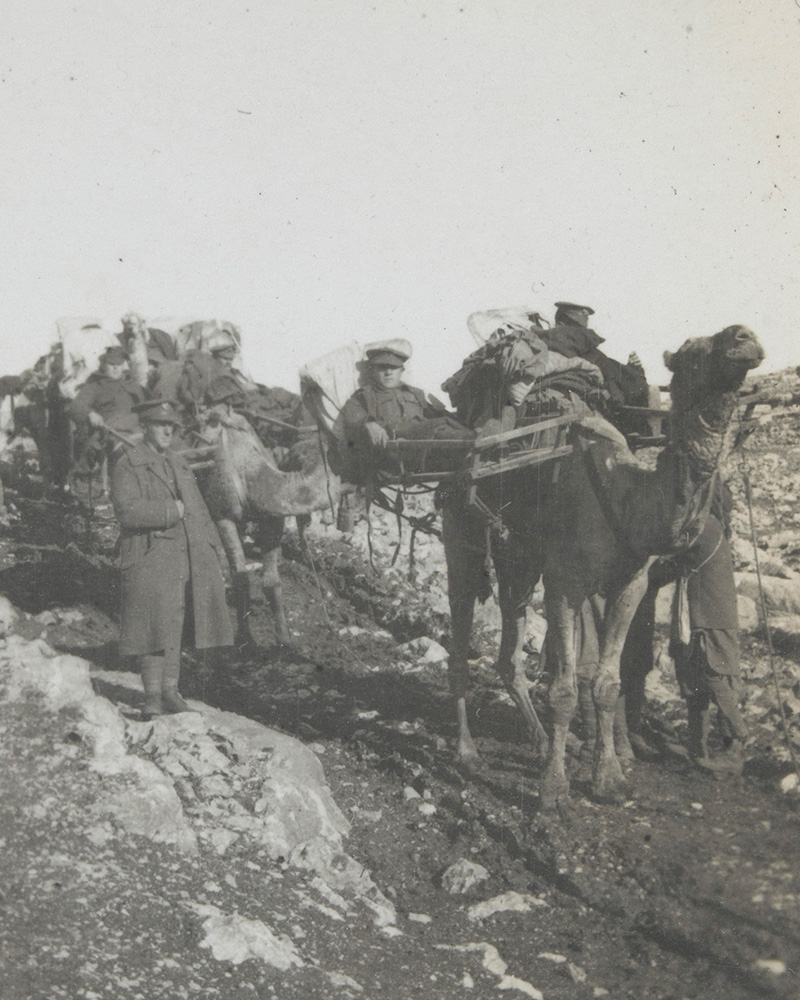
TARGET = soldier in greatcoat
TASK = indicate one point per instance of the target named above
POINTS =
(170, 560)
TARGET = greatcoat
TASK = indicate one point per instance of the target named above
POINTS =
(156, 545)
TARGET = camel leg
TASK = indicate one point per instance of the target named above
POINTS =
(517, 575)
(232, 543)
(562, 619)
(620, 609)
(636, 662)
(269, 532)
(466, 559)
(588, 717)
(622, 742)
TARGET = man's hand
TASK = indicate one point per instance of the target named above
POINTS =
(635, 362)
(95, 419)
(378, 436)
(181, 508)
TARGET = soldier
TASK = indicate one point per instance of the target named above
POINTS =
(170, 560)
(704, 643)
(107, 398)
(384, 403)
(164, 374)
(625, 383)
(385, 408)
(203, 367)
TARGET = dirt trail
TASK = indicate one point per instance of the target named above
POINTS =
(691, 889)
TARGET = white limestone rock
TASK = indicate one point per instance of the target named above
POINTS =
(462, 875)
(235, 939)
(8, 615)
(780, 594)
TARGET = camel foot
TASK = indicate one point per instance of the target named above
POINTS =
(467, 751)
(727, 764)
(554, 793)
(609, 782)
(471, 767)
(642, 748)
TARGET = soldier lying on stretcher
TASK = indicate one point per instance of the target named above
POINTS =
(386, 408)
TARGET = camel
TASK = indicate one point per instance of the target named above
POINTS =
(591, 526)
(245, 484)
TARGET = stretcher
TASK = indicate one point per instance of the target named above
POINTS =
(523, 447)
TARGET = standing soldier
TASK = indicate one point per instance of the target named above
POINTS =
(108, 397)
(170, 560)
(105, 402)
(705, 646)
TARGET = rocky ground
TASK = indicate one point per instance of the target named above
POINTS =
(210, 854)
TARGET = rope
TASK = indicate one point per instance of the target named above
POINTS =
(773, 669)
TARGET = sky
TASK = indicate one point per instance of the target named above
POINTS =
(322, 171)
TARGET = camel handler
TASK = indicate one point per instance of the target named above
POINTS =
(385, 408)
(704, 643)
(170, 560)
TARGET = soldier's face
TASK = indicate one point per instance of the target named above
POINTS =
(114, 371)
(159, 435)
(387, 376)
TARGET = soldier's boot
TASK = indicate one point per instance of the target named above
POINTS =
(588, 716)
(727, 700)
(730, 761)
(152, 671)
(171, 699)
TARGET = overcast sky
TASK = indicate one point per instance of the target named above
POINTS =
(325, 170)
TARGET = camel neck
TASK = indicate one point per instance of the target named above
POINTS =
(704, 433)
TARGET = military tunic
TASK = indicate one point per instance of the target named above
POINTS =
(391, 408)
(113, 399)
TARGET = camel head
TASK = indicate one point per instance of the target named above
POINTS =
(705, 367)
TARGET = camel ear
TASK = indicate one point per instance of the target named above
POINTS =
(668, 356)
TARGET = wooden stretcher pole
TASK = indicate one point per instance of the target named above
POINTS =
(121, 437)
